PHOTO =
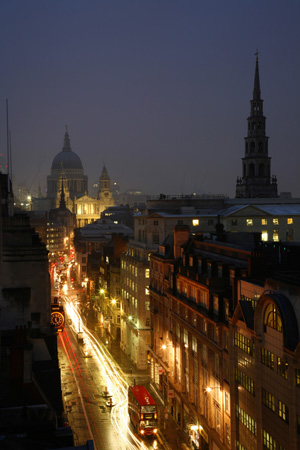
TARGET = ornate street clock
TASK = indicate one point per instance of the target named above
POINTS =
(57, 315)
(57, 319)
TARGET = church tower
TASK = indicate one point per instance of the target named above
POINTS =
(256, 164)
(105, 193)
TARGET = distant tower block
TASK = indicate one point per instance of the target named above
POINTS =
(256, 180)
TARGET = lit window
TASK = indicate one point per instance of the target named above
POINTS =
(146, 291)
(264, 235)
(275, 221)
(283, 411)
(289, 221)
(264, 221)
(275, 236)
(227, 402)
(249, 222)
(195, 222)
(272, 317)
(147, 273)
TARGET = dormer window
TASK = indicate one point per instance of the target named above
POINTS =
(272, 317)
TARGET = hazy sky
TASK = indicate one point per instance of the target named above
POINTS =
(159, 90)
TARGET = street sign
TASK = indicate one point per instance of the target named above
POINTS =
(171, 393)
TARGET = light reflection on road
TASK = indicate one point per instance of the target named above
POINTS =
(114, 379)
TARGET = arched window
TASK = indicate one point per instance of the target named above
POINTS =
(252, 147)
(261, 170)
(272, 317)
(251, 170)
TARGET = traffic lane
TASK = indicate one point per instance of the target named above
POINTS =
(87, 414)
(107, 375)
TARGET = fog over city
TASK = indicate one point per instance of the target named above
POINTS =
(157, 90)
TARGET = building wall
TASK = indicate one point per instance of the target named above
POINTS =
(272, 227)
(25, 280)
(266, 358)
(135, 328)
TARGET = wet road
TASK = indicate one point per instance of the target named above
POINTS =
(84, 380)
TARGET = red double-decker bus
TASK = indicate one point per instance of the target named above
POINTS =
(142, 410)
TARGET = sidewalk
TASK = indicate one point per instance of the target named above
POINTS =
(172, 437)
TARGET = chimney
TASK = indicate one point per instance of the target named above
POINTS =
(181, 236)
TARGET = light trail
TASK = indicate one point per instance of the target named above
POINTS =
(78, 388)
(114, 380)
(74, 364)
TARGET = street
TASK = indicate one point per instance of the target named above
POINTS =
(87, 372)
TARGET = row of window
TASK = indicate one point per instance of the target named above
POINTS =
(244, 380)
(275, 221)
(244, 343)
(199, 296)
(268, 359)
(180, 222)
(270, 443)
(246, 419)
(275, 405)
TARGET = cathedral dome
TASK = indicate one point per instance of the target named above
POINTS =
(66, 159)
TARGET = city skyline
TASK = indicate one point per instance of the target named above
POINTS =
(160, 93)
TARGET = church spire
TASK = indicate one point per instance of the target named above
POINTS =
(256, 164)
(67, 143)
(256, 89)
(62, 204)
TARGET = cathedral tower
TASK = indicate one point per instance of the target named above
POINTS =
(67, 166)
(256, 180)
(105, 193)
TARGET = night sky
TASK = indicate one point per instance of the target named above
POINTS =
(159, 90)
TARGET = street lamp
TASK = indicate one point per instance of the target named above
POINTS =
(209, 389)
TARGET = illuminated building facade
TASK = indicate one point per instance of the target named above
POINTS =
(60, 227)
(135, 322)
(89, 209)
(265, 363)
(202, 304)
